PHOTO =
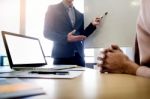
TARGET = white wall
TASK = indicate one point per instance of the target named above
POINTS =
(9, 18)
(118, 27)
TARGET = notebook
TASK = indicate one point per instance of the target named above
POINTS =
(16, 89)
(25, 52)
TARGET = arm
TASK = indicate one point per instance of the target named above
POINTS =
(143, 71)
(115, 61)
(50, 29)
(91, 27)
(89, 30)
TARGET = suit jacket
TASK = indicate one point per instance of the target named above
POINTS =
(58, 25)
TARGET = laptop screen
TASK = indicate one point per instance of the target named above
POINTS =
(23, 50)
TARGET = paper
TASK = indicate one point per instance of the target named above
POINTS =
(61, 67)
(26, 74)
(75, 69)
(15, 88)
(4, 69)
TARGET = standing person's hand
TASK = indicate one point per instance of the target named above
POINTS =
(96, 21)
(74, 38)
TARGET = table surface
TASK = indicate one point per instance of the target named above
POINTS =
(93, 85)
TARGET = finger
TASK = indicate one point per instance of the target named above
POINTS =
(109, 49)
(106, 64)
(103, 50)
(104, 70)
(78, 37)
(69, 34)
(81, 36)
(99, 63)
(97, 19)
(108, 70)
(101, 56)
(114, 46)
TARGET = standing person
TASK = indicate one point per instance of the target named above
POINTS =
(64, 25)
(115, 61)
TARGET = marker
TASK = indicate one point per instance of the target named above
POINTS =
(104, 14)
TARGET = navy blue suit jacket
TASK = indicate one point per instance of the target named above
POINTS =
(58, 25)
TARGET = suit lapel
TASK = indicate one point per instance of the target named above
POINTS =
(78, 20)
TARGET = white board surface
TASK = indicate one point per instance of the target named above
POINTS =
(117, 27)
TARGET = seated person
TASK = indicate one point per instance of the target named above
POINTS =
(115, 61)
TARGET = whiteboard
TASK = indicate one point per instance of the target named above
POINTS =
(117, 27)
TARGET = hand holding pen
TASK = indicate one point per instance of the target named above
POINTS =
(97, 20)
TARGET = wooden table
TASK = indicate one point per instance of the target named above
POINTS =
(93, 85)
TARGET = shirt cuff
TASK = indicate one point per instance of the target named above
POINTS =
(143, 71)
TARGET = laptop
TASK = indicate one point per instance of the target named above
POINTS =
(26, 53)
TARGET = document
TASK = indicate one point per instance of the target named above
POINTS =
(29, 74)
(16, 88)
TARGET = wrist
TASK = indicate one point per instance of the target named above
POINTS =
(94, 25)
(130, 67)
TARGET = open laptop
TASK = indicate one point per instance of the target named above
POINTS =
(26, 52)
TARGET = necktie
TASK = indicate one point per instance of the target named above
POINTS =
(71, 15)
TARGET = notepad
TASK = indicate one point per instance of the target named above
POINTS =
(15, 88)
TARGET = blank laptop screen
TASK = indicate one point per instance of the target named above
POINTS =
(24, 50)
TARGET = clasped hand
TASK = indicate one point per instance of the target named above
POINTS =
(113, 60)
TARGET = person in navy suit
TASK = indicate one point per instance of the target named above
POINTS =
(64, 25)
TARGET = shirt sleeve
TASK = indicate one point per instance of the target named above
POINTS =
(143, 71)
(89, 30)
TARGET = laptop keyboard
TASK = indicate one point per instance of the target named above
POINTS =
(33, 69)
(48, 69)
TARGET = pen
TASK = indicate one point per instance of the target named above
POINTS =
(51, 72)
(104, 14)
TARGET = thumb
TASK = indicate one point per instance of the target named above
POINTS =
(69, 34)
(114, 46)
